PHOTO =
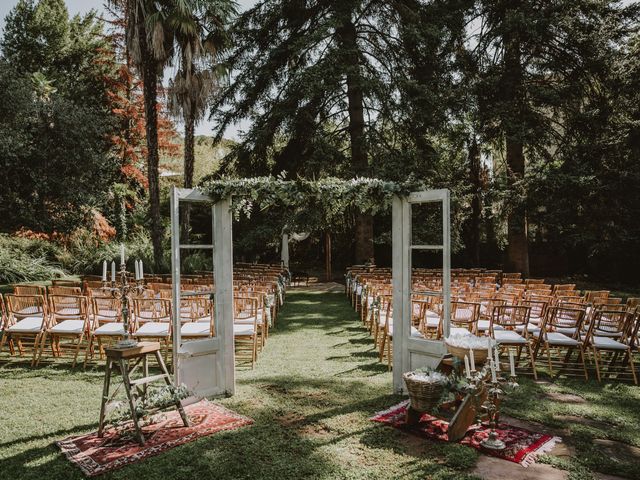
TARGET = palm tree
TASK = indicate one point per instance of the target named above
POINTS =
(150, 45)
(200, 29)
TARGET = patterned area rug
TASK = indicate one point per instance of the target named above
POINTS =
(522, 446)
(96, 456)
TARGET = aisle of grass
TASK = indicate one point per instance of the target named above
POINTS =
(311, 395)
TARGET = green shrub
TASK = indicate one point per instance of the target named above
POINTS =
(25, 260)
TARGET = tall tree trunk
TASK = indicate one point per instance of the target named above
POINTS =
(473, 225)
(150, 92)
(359, 161)
(189, 162)
(517, 247)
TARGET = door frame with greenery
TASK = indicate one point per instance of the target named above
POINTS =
(195, 360)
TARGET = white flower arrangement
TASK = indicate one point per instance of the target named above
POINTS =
(429, 376)
(468, 341)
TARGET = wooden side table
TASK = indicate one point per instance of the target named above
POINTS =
(128, 360)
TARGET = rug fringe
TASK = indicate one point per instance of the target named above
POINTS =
(532, 457)
(398, 406)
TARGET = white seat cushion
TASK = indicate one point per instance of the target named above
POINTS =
(433, 322)
(414, 332)
(246, 321)
(195, 329)
(27, 325)
(605, 333)
(69, 326)
(243, 330)
(508, 336)
(483, 326)
(459, 331)
(113, 328)
(529, 328)
(556, 338)
(570, 331)
(608, 343)
(153, 329)
(535, 319)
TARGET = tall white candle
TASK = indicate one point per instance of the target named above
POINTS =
(104, 270)
(472, 359)
(467, 370)
(121, 253)
(113, 271)
(512, 364)
(493, 371)
(141, 270)
(497, 360)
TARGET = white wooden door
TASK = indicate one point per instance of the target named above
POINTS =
(207, 366)
(411, 352)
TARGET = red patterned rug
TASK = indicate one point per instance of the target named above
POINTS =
(96, 456)
(522, 446)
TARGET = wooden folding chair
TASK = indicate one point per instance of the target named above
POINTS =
(245, 328)
(607, 334)
(561, 330)
(27, 320)
(509, 329)
(107, 326)
(69, 320)
(197, 318)
(464, 317)
(152, 318)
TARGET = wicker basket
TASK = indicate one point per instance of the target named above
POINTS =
(424, 396)
(479, 354)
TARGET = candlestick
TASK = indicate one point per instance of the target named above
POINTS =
(472, 359)
(104, 270)
(512, 364)
(497, 360)
(467, 370)
(113, 271)
(121, 253)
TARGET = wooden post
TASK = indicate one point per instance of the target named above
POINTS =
(327, 256)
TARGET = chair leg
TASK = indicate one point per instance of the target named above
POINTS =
(584, 365)
(381, 351)
(548, 349)
(75, 357)
(42, 347)
(89, 350)
(533, 362)
(632, 367)
(35, 349)
(595, 357)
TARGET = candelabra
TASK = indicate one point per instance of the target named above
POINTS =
(478, 381)
(492, 407)
(123, 290)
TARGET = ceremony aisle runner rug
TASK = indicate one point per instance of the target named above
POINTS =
(522, 446)
(96, 456)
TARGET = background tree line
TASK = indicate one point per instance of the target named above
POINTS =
(528, 111)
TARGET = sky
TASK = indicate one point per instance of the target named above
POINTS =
(83, 6)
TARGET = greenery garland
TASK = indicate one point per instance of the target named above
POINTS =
(311, 202)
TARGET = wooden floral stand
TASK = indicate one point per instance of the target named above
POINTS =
(464, 413)
(128, 360)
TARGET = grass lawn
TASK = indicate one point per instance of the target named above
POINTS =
(311, 395)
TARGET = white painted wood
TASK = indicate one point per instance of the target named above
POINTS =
(192, 195)
(205, 366)
(174, 204)
(411, 352)
(446, 265)
(223, 275)
(428, 196)
(398, 231)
